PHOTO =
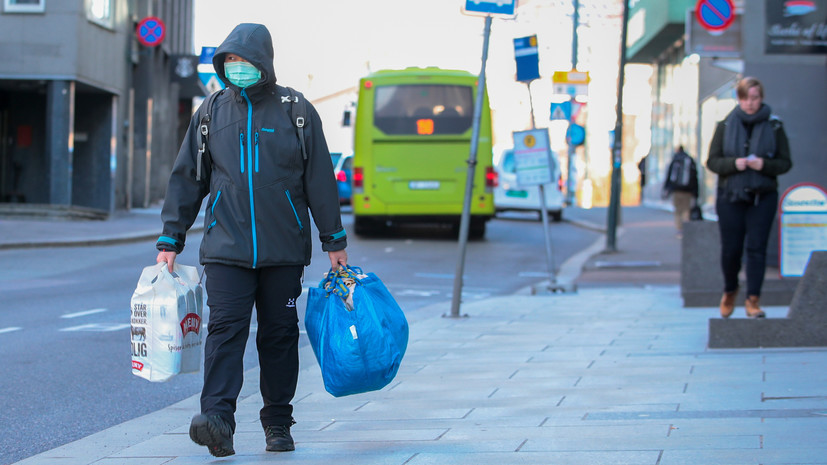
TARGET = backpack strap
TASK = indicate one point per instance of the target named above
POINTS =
(298, 113)
(204, 130)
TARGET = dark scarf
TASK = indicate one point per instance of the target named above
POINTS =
(762, 139)
(748, 184)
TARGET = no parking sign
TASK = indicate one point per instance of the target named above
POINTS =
(151, 31)
(715, 15)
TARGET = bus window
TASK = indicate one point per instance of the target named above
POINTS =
(404, 109)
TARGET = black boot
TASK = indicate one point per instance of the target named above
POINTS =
(215, 433)
(279, 438)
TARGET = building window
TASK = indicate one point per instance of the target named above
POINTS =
(24, 6)
(100, 12)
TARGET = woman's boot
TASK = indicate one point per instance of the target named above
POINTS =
(752, 307)
(728, 303)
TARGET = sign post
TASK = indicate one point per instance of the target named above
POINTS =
(802, 227)
(532, 149)
(488, 8)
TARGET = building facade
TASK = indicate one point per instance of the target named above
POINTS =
(782, 43)
(88, 100)
(695, 73)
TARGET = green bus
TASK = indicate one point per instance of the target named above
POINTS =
(412, 139)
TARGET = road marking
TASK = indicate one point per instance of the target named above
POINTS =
(83, 313)
(10, 329)
(434, 275)
(98, 327)
(411, 292)
(533, 274)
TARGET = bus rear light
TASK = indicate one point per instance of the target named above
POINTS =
(368, 84)
(425, 127)
(491, 177)
(358, 178)
(341, 176)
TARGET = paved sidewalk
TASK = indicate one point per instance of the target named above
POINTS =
(615, 373)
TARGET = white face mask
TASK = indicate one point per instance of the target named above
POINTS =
(242, 73)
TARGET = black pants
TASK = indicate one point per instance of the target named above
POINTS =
(231, 293)
(745, 222)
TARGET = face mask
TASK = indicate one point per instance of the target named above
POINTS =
(241, 73)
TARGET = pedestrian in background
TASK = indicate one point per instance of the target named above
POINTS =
(682, 184)
(641, 166)
(257, 234)
(748, 151)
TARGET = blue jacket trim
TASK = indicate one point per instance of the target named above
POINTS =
(168, 240)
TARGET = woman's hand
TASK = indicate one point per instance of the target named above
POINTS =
(741, 164)
(755, 163)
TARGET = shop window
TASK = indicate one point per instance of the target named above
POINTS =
(99, 12)
(24, 6)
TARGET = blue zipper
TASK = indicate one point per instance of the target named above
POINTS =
(241, 149)
(256, 151)
(295, 213)
(212, 209)
(250, 176)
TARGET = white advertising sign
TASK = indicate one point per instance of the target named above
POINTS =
(803, 227)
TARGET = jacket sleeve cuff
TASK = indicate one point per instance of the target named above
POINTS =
(169, 244)
(334, 241)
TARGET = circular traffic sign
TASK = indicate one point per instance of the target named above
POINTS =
(151, 31)
(715, 15)
(576, 134)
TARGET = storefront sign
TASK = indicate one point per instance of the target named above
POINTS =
(796, 26)
(802, 226)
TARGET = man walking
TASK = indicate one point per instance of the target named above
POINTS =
(682, 184)
(263, 169)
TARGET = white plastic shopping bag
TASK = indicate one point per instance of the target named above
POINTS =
(166, 322)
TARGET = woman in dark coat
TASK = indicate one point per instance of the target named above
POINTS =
(748, 151)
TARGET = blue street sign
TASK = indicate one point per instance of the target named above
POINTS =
(206, 55)
(561, 111)
(576, 134)
(528, 61)
(500, 7)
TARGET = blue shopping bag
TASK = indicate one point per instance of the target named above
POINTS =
(357, 331)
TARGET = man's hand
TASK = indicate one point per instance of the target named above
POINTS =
(169, 258)
(337, 258)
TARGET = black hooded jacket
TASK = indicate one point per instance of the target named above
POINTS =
(260, 188)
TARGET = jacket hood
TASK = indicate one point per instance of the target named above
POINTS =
(252, 42)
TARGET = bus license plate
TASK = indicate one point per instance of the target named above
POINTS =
(424, 185)
(518, 194)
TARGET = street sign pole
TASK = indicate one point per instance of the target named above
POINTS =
(571, 181)
(469, 180)
(617, 147)
(552, 274)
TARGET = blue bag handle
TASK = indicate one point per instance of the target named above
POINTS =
(333, 283)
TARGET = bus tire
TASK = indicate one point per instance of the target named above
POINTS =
(362, 226)
(477, 229)
(557, 216)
